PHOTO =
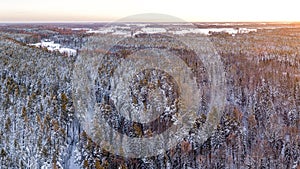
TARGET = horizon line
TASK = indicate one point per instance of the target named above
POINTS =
(20, 22)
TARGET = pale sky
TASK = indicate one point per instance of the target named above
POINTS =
(111, 10)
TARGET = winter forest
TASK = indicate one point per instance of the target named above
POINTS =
(259, 126)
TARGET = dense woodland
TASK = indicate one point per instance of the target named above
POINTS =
(259, 127)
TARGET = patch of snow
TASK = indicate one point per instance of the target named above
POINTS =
(247, 30)
(122, 27)
(153, 30)
(208, 31)
(51, 46)
(101, 31)
(79, 29)
(72, 160)
(126, 30)
(46, 165)
(68, 51)
(137, 24)
(125, 33)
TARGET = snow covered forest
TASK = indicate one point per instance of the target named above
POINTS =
(259, 128)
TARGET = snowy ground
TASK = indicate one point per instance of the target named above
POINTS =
(171, 29)
(51, 46)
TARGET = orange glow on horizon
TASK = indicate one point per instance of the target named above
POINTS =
(111, 10)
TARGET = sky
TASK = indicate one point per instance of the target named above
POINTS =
(112, 10)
